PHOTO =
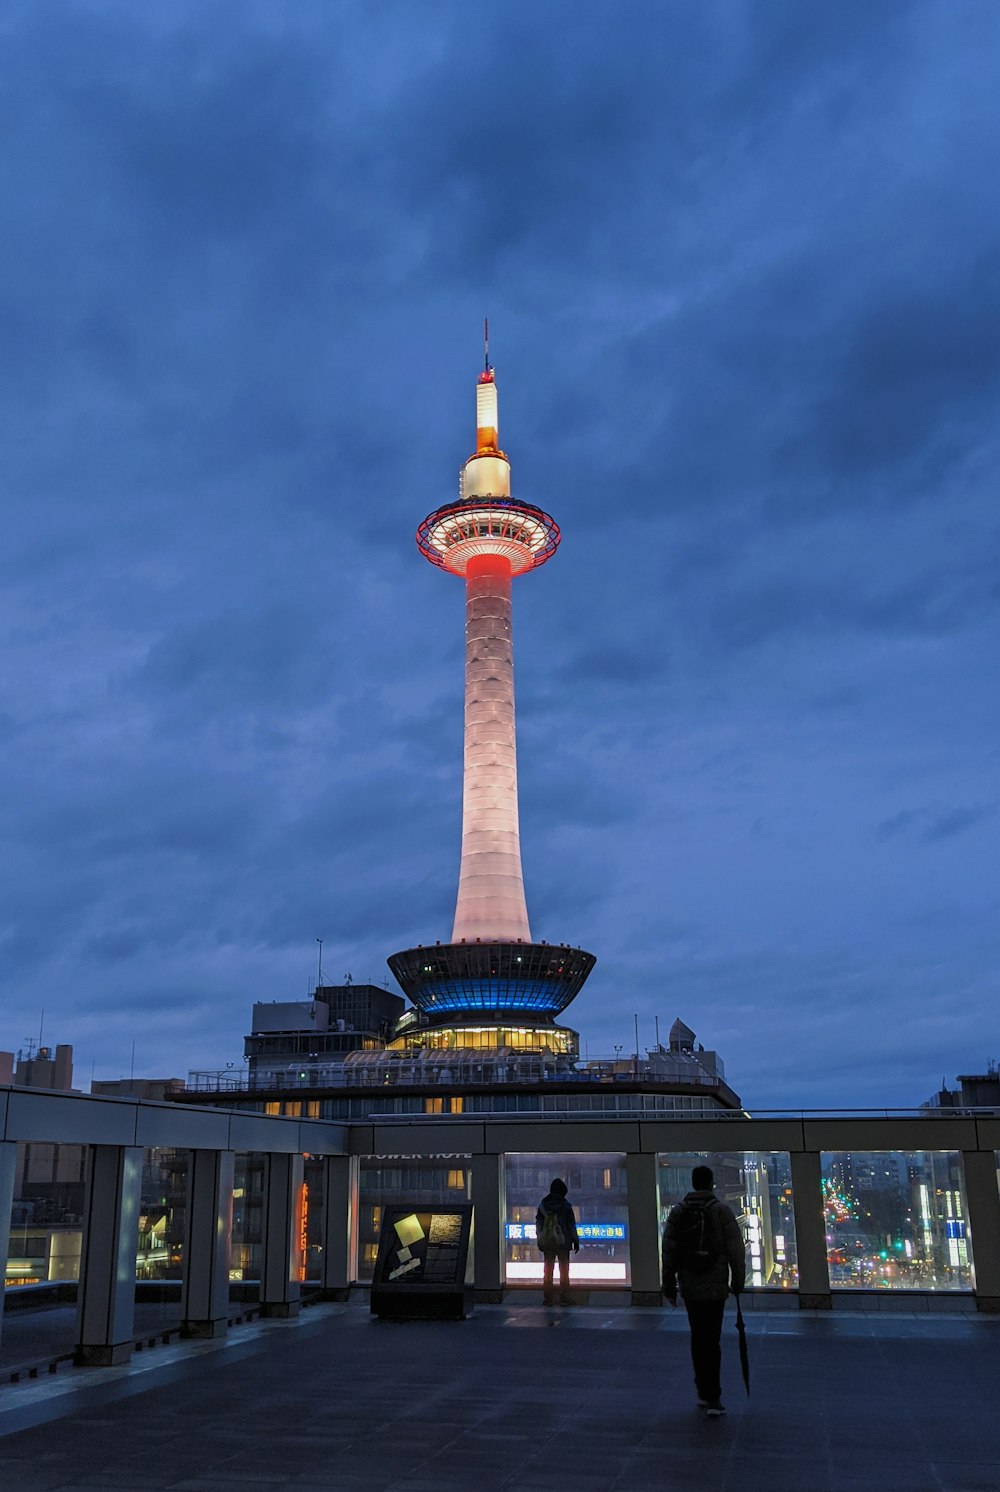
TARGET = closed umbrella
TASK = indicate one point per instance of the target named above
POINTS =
(744, 1357)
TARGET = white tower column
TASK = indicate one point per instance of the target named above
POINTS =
(491, 903)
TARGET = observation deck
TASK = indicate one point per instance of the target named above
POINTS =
(519, 532)
(292, 1403)
(538, 979)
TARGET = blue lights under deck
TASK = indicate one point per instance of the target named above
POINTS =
(449, 979)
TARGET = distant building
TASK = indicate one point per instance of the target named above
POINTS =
(48, 1180)
(380, 1073)
(975, 1091)
(39, 1067)
(291, 1039)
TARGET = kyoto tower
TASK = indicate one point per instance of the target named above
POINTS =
(491, 973)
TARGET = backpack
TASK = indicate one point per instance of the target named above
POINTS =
(551, 1238)
(698, 1242)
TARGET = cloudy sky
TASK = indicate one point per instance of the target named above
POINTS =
(742, 268)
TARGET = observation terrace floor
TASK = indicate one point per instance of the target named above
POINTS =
(522, 1398)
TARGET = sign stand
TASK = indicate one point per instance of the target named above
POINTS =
(420, 1269)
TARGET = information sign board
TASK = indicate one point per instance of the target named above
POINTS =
(422, 1256)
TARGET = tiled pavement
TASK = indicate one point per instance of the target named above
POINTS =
(524, 1399)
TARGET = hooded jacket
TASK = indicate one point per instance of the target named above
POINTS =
(731, 1260)
(567, 1219)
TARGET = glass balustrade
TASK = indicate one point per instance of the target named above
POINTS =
(757, 1185)
(597, 1192)
(896, 1220)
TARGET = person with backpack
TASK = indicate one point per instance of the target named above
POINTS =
(703, 1249)
(555, 1235)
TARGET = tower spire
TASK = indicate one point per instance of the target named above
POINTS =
(486, 344)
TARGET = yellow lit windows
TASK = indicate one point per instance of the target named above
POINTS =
(433, 1105)
(457, 1105)
(272, 1108)
(293, 1108)
(456, 1180)
(607, 1178)
(312, 1109)
(371, 1253)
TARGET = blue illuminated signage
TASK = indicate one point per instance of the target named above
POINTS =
(586, 1232)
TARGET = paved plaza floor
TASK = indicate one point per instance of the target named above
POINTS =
(526, 1399)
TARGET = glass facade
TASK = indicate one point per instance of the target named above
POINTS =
(896, 1220)
(248, 1199)
(597, 1193)
(487, 1038)
(420, 1180)
(757, 1185)
(162, 1210)
(46, 1231)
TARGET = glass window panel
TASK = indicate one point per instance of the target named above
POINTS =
(896, 1220)
(162, 1212)
(312, 1265)
(757, 1185)
(403, 1178)
(601, 1216)
(47, 1215)
(245, 1256)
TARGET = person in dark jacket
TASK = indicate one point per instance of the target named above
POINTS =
(555, 1216)
(703, 1248)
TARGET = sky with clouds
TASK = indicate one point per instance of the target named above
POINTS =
(742, 268)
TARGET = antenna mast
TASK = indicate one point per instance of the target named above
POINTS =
(486, 344)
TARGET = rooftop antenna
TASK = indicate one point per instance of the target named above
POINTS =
(656, 1021)
(41, 1025)
(486, 344)
(319, 967)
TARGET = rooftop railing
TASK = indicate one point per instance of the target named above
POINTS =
(826, 1168)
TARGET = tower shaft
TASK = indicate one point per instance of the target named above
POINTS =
(491, 903)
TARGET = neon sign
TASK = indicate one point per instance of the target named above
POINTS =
(586, 1232)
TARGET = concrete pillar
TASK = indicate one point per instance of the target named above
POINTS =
(281, 1251)
(208, 1228)
(810, 1231)
(8, 1166)
(488, 1201)
(106, 1301)
(643, 1187)
(337, 1188)
(983, 1202)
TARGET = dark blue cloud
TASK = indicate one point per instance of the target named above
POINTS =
(742, 274)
